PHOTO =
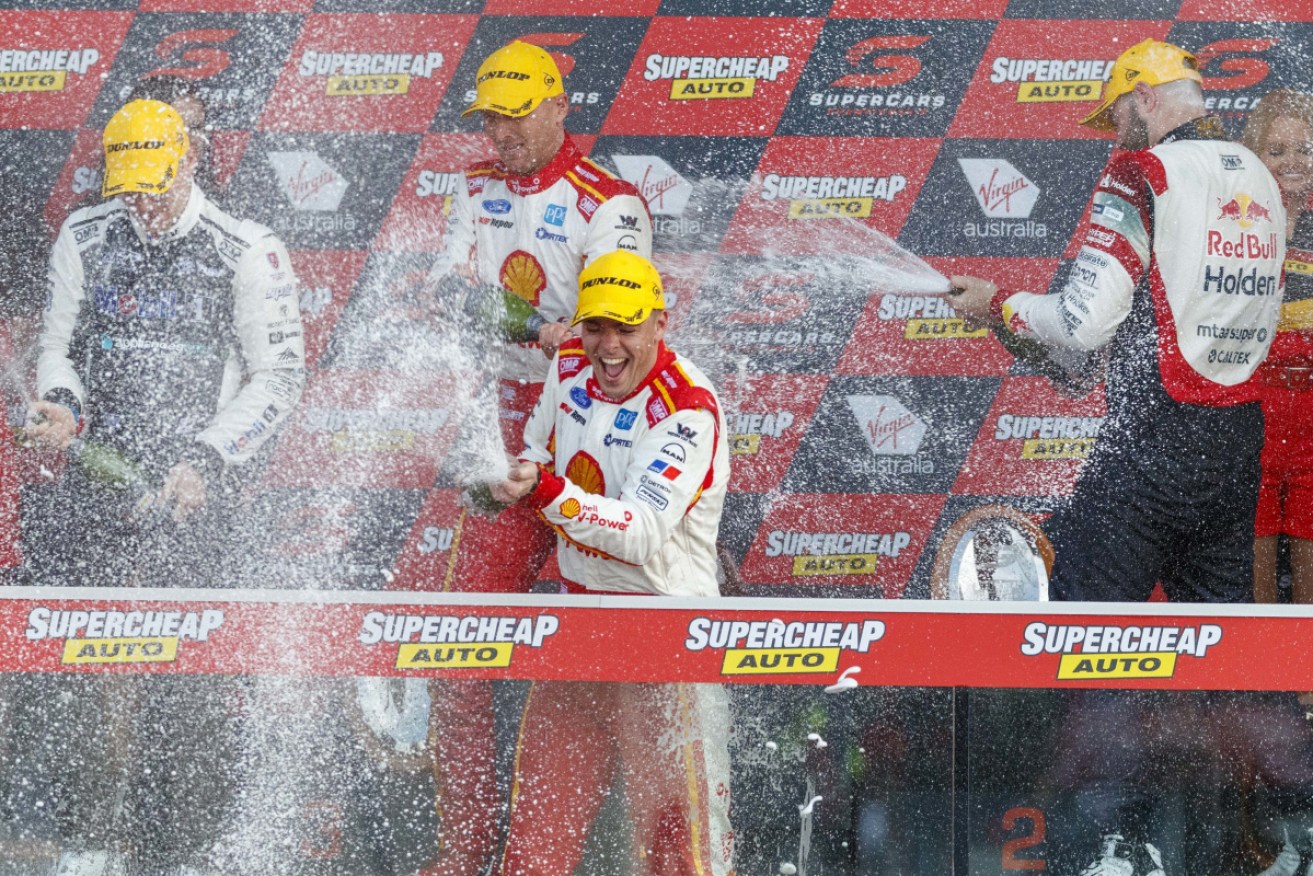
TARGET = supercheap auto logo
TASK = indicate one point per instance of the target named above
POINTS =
(775, 647)
(426, 641)
(713, 77)
(831, 197)
(1105, 652)
(354, 74)
(835, 553)
(749, 428)
(101, 637)
(927, 317)
(374, 431)
(24, 70)
(1051, 80)
(1052, 437)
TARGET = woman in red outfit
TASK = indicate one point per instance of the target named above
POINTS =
(1280, 131)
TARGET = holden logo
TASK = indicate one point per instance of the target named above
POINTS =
(1001, 190)
(308, 181)
(666, 192)
(888, 427)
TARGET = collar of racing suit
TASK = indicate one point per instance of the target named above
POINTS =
(191, 214)
(1202, 128)
(664, 357)
(566, 157)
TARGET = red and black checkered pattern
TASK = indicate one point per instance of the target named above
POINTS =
(949, 126)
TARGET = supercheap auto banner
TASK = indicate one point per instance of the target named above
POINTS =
(847, 643)
(765, 135)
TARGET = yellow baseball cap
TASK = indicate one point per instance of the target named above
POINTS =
(144, 142)
(620, 285)
(513, 80)
(1152, 62)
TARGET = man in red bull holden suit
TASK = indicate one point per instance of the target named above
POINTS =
(626, 459)
(1178, 283)
(525, 222)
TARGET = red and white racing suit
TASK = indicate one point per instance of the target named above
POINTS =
(634, 489)
(532, 235)
(1180, 278)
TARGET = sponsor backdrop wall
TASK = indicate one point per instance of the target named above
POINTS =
(767, 135)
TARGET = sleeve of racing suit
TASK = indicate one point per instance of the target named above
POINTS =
(1096, 298)
(658, 491)
(542, 422)
(272, 352)
(64, 296)
(622, 222)
(459, 242)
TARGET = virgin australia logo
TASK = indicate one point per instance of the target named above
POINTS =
(665, 191)
(309, 182)
(889, 428)
(1002, 191)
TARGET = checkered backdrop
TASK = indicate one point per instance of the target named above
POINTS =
(947, 126)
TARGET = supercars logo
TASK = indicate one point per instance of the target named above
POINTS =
(929, 318)
(1049, 437)
(705, 78)
(446, 642)
(309, 182)
(1097, 652)
(775, 647)
(835, 553)
(831, 197)
(116, 637)
(749, 429)
(1049, 80)
(353, 74)
(42, 69)
(879, 66)
(374, 431)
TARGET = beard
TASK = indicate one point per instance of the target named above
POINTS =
(1134, 134)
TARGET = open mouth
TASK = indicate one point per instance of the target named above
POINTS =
(613, 368)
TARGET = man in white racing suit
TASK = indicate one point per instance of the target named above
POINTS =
(1179, 281)
(171, 352)
(626, 459)
(525, 224)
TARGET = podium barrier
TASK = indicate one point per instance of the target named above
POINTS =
(867, 736)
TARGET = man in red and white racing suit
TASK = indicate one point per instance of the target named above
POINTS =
(526, 222)
(1180, 279)
(625, 458)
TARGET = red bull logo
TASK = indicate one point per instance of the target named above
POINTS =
(1244, 210)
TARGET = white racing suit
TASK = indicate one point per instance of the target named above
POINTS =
(634, 489)
(1180, 277)
(530, 235)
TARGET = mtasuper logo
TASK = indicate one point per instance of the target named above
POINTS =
(357, 74)
(1094, 652)
(368, 430)
(749, 429)
(106, 636)
(1049, 437)
(829, 197)
(426, 641)
(835, 553)
(42, 69)
(775, 647)
(700, 78)
(1048, 80)
(929, 318)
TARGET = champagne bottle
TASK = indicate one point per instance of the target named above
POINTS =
(104, 465)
